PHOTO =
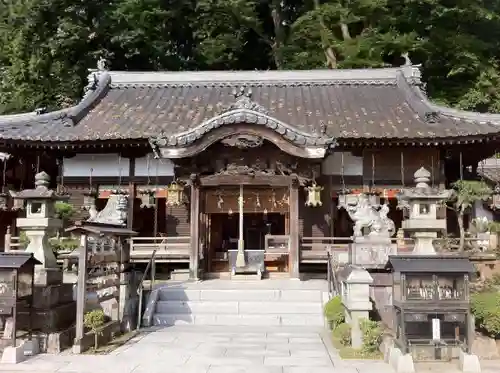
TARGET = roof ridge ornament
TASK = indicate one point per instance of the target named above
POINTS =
(93, 77)
(244, 102)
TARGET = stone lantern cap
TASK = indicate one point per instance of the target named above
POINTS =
(422, 189)
(41, 191)
(356, 274)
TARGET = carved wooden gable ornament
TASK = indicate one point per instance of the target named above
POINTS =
(242, 111)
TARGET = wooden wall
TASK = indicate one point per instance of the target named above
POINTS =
(388, 164)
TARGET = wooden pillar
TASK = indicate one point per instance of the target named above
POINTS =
(81, 291)
(194, 257)
(294, 254)
(131, 194)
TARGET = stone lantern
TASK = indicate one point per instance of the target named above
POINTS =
(423, 203)
(40, 220)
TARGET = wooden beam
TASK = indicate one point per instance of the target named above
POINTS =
(293, 256)
(272, 180)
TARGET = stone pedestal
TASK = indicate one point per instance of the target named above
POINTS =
(424, 243)
(356, 300)
(371, 251)
(37, 230)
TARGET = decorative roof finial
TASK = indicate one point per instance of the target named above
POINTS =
(102, 64)
(42, 180)
(407, 59)
(422, 178)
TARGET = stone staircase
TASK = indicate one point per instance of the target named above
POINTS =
(238, 303)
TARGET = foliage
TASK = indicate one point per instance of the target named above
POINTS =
(372, 334)
(64, 210)
(494, 227)
(486, 308)
(465, 194)
(334, 312)
(480, 225)
(63, 244)
(93, 320)
(342, 333)
(47, 46)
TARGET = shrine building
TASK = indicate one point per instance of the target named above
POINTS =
(214, 162)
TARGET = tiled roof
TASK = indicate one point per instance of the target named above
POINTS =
(489, 169)
(341, 104)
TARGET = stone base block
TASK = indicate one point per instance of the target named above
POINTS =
(180, 275)
(468, 363)
(13, 355)
(48, 276)
(54, 343)
(47, 296)
(49, 320)
(401, 363)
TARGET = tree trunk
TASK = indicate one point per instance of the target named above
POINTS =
(279, 34)
(460, 216)
(345, 31)
(330, 55)
(96, 340)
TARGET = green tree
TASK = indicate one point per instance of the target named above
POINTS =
(46, 48)
(347, 34)
(465, 194)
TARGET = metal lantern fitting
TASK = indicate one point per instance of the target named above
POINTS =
(314, 195)
(4, 201)
(147, 198)
(17, 203)
(175, 194)
(89, 200)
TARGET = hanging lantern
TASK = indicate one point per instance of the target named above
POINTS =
(4, 201)
(175, 194)
(495, 198)
(314, 195)
(147, 198)
(89, 199)
(17, 203)
(373, 198)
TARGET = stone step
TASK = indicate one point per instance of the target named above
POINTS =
(261, 295)
(238, 307)
(238, 320)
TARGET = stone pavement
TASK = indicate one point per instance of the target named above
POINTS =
(190, 349)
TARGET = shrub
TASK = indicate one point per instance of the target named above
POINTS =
(486, 309)
(94, 320)
(334, 312)
(372, 334)
(343, 333)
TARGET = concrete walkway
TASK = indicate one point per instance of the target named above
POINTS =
(190, 349)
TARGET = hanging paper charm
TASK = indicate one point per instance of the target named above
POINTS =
(314, 195)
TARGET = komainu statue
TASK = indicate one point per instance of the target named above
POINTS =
(373, 218)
